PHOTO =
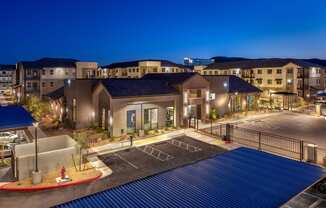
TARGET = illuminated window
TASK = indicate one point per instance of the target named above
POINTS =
(74, 110)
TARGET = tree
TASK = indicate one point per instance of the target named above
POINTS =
(81, 139)
(37, 107)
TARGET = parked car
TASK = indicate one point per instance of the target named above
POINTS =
(8, 137)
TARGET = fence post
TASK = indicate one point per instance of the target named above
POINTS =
(221, 130)
(211, 127)
(301, 151)
(259, 141)
(228, 132)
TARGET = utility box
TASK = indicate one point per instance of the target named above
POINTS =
(312, 153)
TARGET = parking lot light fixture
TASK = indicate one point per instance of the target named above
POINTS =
(36, 159)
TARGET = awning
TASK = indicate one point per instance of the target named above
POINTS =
(322, 94)
(14, 117)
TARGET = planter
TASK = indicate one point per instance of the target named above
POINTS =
(36, 177)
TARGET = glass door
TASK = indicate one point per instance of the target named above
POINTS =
(131, 121)
(169, 116)
(150, 118)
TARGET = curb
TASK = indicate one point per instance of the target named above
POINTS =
(40, 188)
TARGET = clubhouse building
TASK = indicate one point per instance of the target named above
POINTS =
(156, 101)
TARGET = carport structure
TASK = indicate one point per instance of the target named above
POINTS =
(14, 118)
(239, 178)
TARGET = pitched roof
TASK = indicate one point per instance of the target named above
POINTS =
(171, 78)
(164, 63)
(14, 117)
(261, 63)
(7, 67)
(56, 94)
(235, 84)
(137, 87)
(50, 62)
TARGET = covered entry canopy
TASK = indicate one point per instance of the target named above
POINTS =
(13, 117)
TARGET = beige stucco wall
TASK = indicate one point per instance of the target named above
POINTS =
(121, 106)
(53, 153)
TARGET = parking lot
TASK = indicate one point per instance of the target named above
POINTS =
(299, 126)
(134, 163)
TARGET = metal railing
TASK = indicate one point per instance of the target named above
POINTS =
(263, 141)
(277, 144)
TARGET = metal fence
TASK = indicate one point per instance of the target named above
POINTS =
(281, 145)
(216, 131)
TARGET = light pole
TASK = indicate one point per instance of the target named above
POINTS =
(36, 160)
(36, 174)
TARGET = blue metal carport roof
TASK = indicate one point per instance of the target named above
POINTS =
(239, 178)
(14, 117)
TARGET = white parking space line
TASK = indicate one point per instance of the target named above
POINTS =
(125, 160)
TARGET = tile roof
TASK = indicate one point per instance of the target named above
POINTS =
(239, 178)
(171, 78)
(235, 84)
(260, 63)
(56, 94)
(49, 62)
(7, 67)
(137, 87)
(164, 63)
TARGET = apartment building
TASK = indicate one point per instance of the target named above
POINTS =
(138, 68)
(46, 75)
(275, 75)
(7, 79)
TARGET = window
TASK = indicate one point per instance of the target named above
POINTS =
(28, 85)
(259, 81)
(74, 110)
(278, 81)
(52, 84)
(43, 84)
(270, 71)
(290, 71)
(259, 71)
(205, 72)
(210, 72)
(163, 69)
(3, 72)
(225, 72)
(155, 70)
(67, 72)
(43, 72)
(215, 72)
(51, 72)
(279, 71)
(172, 69)
(318, 81)
(269, 81)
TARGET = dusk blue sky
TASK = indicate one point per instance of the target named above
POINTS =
(117, 30)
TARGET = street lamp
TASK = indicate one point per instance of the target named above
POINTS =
(36, 174)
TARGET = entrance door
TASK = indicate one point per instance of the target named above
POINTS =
(131, 121)
(150, 118)
(169, 116)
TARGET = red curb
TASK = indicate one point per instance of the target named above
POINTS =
(39, 188)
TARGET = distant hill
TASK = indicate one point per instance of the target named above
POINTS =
(222, 59)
